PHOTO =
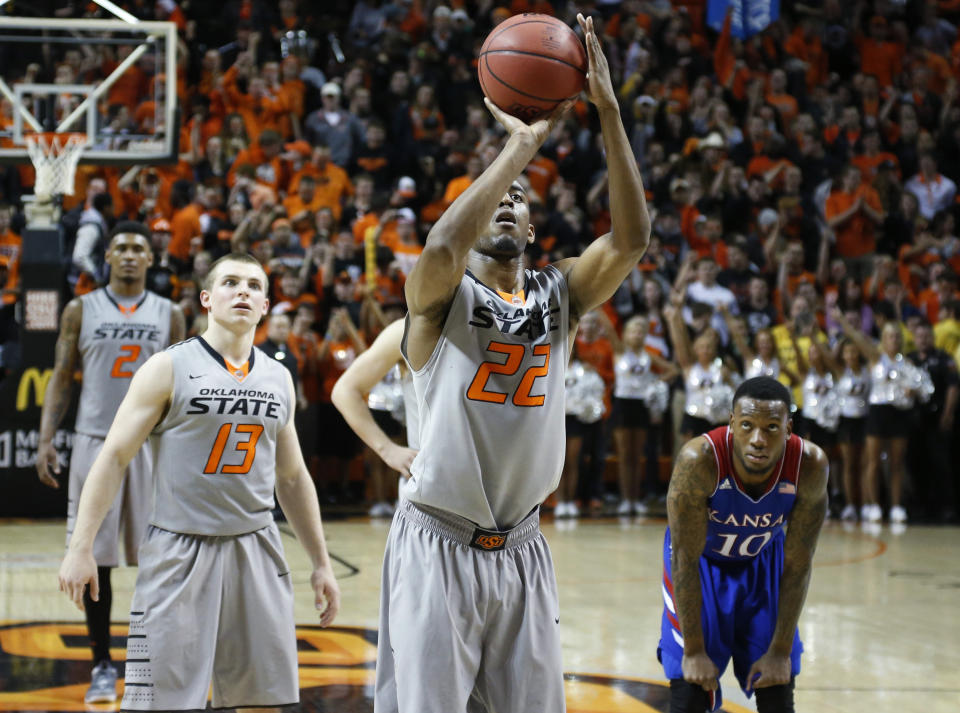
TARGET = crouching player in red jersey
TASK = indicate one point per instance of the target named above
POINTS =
(733, 583)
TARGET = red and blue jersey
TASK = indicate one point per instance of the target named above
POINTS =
(741, 526)
(739, 570)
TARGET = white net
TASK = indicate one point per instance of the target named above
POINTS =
(55, 158)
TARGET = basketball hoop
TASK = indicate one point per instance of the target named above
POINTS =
(55, 158)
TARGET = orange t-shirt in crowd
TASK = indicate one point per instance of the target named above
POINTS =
(273, 173)
(185, 226)
(786, 105)
(882, 59)
(306, 350)
(294, 206)
(912, 282)
(868, 164)
(542, 173)
(811, 52)
(855, 237)
(455, 187)
(129, 88)
(333, 185)
(929, 302)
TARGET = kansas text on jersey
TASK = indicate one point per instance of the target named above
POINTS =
(740, 526)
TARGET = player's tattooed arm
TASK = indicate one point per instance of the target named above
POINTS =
(178, 325)
(803, 530)
(693, 480)
(56, 400)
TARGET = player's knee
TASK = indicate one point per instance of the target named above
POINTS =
(686, 697)
(775, 699)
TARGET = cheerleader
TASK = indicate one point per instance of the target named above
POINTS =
(585, 407)
(640, 397)
(853, 387)
(708, 384)
(820, 412)
(894, 385)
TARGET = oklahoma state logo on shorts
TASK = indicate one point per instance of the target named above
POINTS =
(488, 540)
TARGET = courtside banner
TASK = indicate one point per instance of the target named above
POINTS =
(23, 389)
(749, 16)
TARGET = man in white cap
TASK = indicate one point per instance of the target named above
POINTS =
(334, 126)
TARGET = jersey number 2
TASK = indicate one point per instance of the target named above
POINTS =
(521, 397)
(249, 448)
(132, 353)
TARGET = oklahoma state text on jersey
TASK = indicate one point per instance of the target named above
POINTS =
(491, 401)
(215, 449)
(114, 342)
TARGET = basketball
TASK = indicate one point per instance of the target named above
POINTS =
(531, 63)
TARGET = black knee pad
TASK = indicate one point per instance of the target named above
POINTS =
(686, 697)
(775, 699)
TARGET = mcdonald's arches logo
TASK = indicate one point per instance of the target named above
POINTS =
(38, 380)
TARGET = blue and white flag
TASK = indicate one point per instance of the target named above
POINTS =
(749, 16)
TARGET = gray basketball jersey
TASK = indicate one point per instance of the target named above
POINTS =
(491, 402)
(114, 342)
(215, 449)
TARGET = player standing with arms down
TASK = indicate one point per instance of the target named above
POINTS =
(468, 611)
(108, 334)
(214, 597)
(733, 584)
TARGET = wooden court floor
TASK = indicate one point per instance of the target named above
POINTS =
(881, 626)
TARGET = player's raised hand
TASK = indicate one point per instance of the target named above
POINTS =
(538, 130)
(398, 458)
(48, 464)
(327, 594)
(771, 669)
(599, 86)
(78, 570)
(700, 670)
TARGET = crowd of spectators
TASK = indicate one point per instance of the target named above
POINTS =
(802, 186)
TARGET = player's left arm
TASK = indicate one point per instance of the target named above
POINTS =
(298, 498)
(605, 264)
(803, 530)
(178, 324)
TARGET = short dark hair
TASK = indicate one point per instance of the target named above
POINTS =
(102, 201)
(763, 388)
(130, 226)
(230, 257)
(270, 137)
(886, 309)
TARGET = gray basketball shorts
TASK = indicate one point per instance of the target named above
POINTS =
(467, 628)
(130, 512)
(211, 610)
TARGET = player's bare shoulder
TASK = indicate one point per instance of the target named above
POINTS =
(154, 380)
(71, 319)
(694, 471)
